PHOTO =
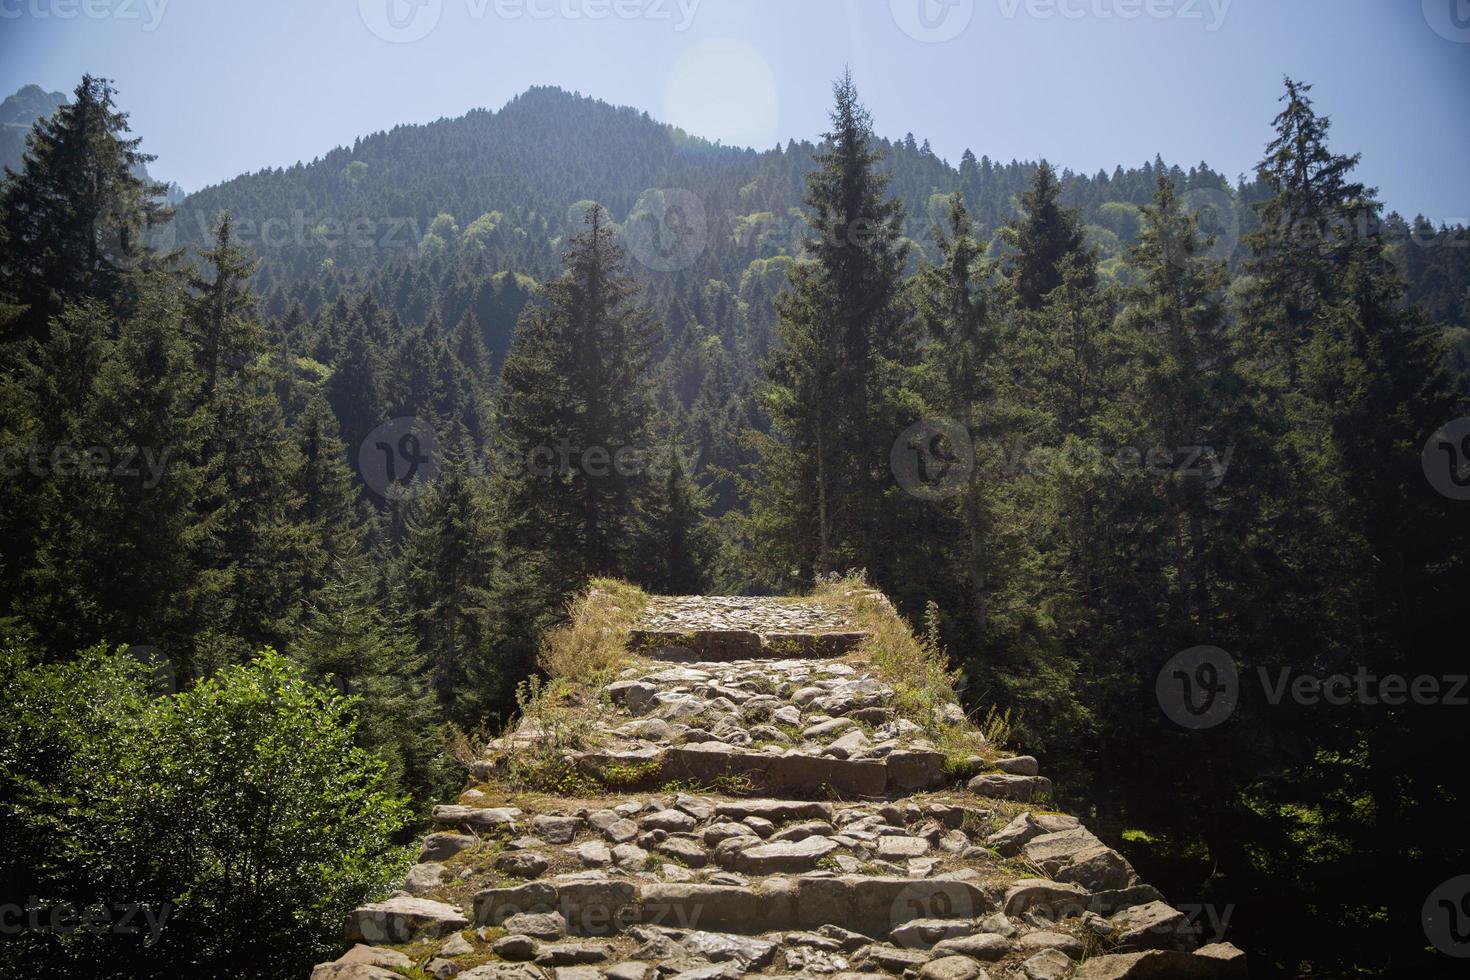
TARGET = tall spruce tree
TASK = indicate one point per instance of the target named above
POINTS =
(573, 411)
(248, 458)
(1307, 224)
(446, 571)
(75, 214)
(676, 544)
(958, 381)
(115, 528)
(834, 378)
(1351, 379)
(1042, 237)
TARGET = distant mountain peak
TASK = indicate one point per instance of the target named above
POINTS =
(29, 103)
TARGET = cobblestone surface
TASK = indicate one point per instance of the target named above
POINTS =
(796, 824)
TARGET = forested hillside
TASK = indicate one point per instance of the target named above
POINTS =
(384, 412)
(465, 216)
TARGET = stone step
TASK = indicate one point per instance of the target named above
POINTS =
(804, 855)
(743, 837)
(725, 628)
(799, 773)
(784, 927)
(730, 645)
(872, 905)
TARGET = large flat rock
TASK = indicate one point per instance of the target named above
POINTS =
(802, 774)
(402, 920)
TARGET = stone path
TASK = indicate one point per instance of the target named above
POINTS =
(780, 816)
(734, 627)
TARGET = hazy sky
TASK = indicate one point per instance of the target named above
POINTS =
(217, 87)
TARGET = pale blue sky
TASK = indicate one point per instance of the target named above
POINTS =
(217, 87)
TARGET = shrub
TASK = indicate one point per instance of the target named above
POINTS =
(240, 809)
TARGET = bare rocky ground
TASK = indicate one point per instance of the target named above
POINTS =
(748, 796)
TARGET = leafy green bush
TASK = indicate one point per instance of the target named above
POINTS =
(239, 814)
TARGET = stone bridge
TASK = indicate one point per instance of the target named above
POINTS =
(759, 788)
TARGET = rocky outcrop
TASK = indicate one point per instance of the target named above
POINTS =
(777, 815)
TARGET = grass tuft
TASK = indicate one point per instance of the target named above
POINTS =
(593, 645)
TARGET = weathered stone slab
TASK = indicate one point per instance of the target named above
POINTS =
(780, 857)
(353, 971)
(1003, 786)
(1152, 926)
(1053, 897)
(1220, 961)
(776, 811)
(686, 904)
(789, 773)
(402, 920)
(988, 946)
(952, 968)
(477, 818)
(494, 905)
(363, 962)
(596, 907)
(914, 769)
(1054, 851)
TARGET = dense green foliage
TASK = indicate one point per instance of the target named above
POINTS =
(221, 831)
(385, 411)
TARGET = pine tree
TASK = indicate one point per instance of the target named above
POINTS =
(348, 639)
(357, 389)
(676, 545)
(958, 381)
(832, 381)
(469, 347)
(1043, 237)
(75, 215)
(1306, 225)
(248, 459)
(573, 413)
(115, 534)
(447, 575)
(326, 514)
(1352, 380)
